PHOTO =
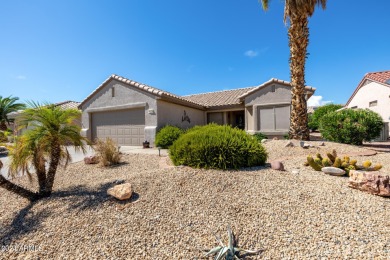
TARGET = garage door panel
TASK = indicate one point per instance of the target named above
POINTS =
(125, 127)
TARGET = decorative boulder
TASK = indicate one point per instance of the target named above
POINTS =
(275, 138)
(372, 182)
(277, 165)
(322, 144)
(91, 159)
(121, 191)
(333, 171)
(264, 141)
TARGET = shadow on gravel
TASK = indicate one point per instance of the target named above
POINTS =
(76, 198)
(23, 223)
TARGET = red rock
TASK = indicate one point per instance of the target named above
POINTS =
(277, 165)
(91, 159)
(372, 182)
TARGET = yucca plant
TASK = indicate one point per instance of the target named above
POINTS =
(230, 251)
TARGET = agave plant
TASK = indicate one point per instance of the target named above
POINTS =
(230, 251)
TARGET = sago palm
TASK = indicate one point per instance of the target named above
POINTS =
(8, 105)
(43, 147)
(297, 12)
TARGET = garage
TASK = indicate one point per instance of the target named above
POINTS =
(125, 127)
(274, 118)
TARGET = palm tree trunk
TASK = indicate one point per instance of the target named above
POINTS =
(6, 184)
(3, 126)
(298, 34)
(54, 161)
(39, 165)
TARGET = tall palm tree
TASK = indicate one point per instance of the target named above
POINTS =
(43, 147)
(8, 105)
(297, 13)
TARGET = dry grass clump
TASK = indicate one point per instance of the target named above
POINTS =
(108, 152)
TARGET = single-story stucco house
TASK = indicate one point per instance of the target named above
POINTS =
(373, 92)
(130, 112)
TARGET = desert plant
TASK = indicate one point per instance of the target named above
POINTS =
(167, 135)
(42, 147)
(107, 152)
(219, 147)
(314, 119)
(8, 105)
(351, 126)
(260, 136)
(345, 163)
(231, 250)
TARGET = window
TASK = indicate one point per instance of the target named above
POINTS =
(373, 103)
(355, 107)
(113, 91)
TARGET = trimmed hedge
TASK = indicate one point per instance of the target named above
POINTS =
(218, 147)
(167, 135)
(351, 126)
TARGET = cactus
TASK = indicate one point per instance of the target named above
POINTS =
(337, 162)
(313, 164)
(377, 167)
(353, 162)
(344, 165)
(334, 153)
(346, 159)
(326, 162)
(366, 164)
(331, 157)
(319, 156)
(318, 161)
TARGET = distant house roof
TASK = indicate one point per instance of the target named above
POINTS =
(311, 109)
(67, 104)
(155, 91)
(381, 77)
(219, 98)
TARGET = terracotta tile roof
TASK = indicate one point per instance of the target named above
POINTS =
(158, 92)
(219, 98)
(67, 104)
(381, 77)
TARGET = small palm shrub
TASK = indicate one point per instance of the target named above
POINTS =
(314, 119)
(167, 135)
(107, 152)
(260, 136)
(351, 126)
(218, 147)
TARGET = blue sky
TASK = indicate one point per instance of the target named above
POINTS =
(62, 50)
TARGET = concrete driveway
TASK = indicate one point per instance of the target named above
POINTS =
(78, 156)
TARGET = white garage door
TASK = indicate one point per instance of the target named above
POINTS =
(275, 118)
(125, 127)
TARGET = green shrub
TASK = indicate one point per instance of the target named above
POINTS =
(351, 126)
(167, 135)
(314, 119)
(218, 147)
(260, 136)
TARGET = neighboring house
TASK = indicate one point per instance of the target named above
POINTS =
(131, 112)
(311, 109)
(373, 92)
(64, 105)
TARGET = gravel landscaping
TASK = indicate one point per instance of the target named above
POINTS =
(175, 211)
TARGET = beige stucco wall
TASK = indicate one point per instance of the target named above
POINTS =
(264, 96)
(370, 92)
(126, 97)
(172, 114)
